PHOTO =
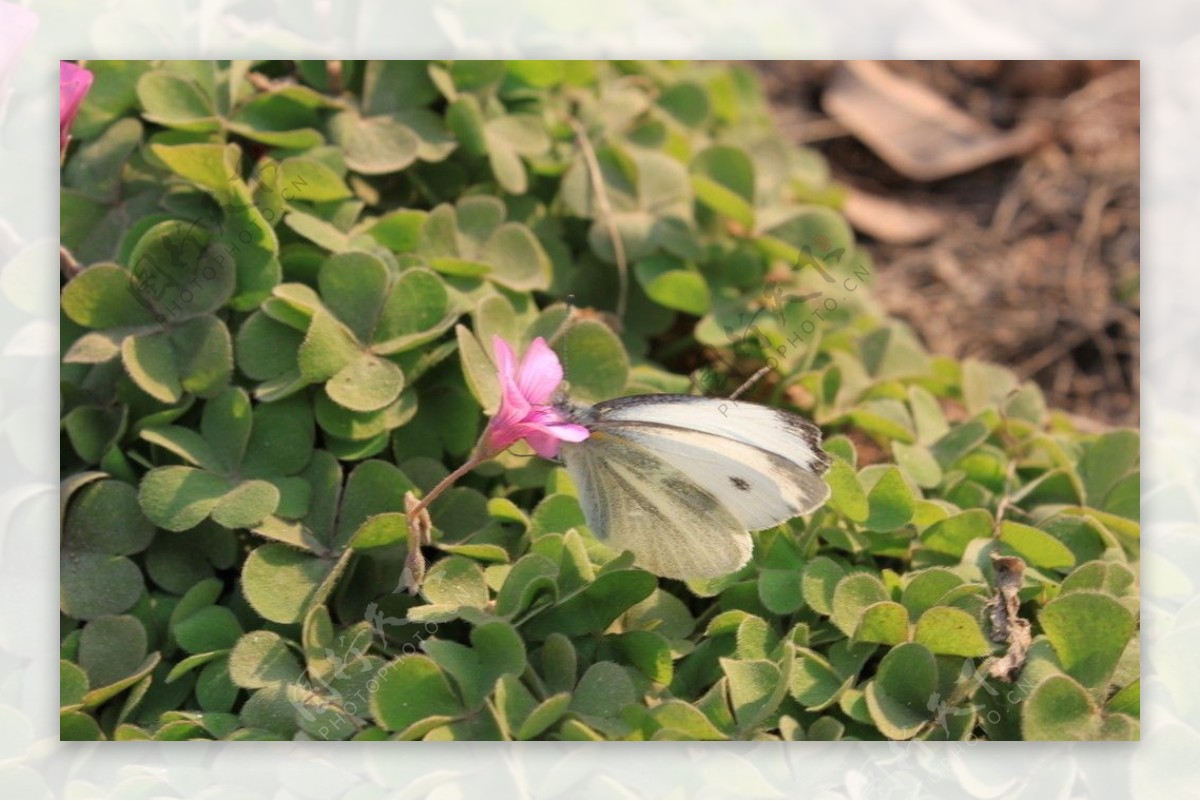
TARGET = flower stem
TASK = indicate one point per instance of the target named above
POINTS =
(445, 484)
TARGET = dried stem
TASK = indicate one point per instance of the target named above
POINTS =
(606, 213)
(1007, 624)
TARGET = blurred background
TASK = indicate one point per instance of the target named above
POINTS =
(1001, 202)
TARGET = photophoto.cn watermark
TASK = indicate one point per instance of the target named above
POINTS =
(169, 282)
(315, 695)
(797, 334)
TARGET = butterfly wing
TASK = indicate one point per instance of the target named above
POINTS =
(634, 499)
(761, 488)
(764, 465)
(773, 430)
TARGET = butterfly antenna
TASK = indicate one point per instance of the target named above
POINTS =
(562, 329)
(751, 381)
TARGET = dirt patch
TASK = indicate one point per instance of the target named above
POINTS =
(1037, 266)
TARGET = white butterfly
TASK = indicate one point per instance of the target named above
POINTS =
(681, 480)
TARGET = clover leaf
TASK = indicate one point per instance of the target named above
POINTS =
(240, 467)
(286, 578)
(366, 313)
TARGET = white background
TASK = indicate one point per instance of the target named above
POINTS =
(1164, 35)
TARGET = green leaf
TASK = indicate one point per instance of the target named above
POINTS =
(78, 727)
(1059, 709)
(899, 696)
(669, 284)
(204, 355)
(1089, 631)
(846, 492)
(958, 442)
(496, 650)
(885, 622)
(380, 531)
(284, 117)
(112, 96)
(1106, 461)
(176, 102)
(214, 690)
(852, 596)
(604, 689)
(918, 463)
(815, 684)
(890, 502)
(464, 117)
(310, 180)
(188, 664)
(595, 606)
(282, 584)
(368, 383)
(93, 585)
(594, 361)
(819, 580)
(178, 498)
(952, 535)
(544, 715)
(206, 165)
(150, 362)
(272, 709)
(395, 85)
(374, 487)
(112, 648)
(72, 684)
(413, 697)
(262, 658)
(455, 582)
(399, 231)
(723, 180)
(417, 310)
(102, 296)
(213, 628)
(178, 272)
(649, 652)
(926, 587)
(517, 259)
(328, 347)
(374, 145)
(353, 287)
(947, 630)
(104, 517)
(225, 427)
(478, 369)
(1036, 547)
(985, 385)
(318, 231)
(1128, 700)
(781, 591)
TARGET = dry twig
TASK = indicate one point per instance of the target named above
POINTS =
(1007, 624)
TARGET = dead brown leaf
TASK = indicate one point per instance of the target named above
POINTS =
(916, 131)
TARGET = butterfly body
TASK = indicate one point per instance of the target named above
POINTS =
(681, 480)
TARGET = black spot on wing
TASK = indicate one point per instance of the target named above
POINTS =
(740, 483)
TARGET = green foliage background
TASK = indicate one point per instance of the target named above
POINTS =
(291, 274)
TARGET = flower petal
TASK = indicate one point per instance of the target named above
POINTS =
(540, 372)
(545, 440)
(504, 357)
(73, 85)
(513, 405)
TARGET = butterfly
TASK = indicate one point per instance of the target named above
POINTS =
(681, 480)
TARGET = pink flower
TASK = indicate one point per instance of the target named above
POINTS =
(73, 85)
(525, 412)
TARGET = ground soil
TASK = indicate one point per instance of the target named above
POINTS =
(1037, 266)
